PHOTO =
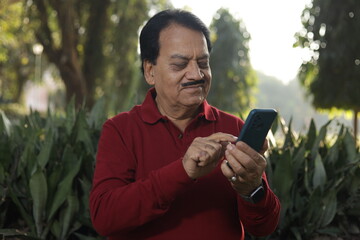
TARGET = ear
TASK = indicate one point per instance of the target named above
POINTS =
(149, 72)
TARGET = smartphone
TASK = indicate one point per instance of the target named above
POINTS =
(256, 127)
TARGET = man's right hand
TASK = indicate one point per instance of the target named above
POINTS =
(204, 153)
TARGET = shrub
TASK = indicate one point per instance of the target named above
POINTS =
(317, 179)
(46, 169)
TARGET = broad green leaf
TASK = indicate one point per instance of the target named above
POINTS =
(64, 187)
(313, 209)
(24, 214)
(38, 191)
(56, 229)
(85, 187)
(320, 138)
(54, 180)
(5, 124)
(82, 130)
(330, 208)
(45, 151)
(319, 178)
(97, 114)
(298, 160)
(333, 154)
(35, 120)
(70, 116)
(289, 137)
(282, 180)
(311, 135)
(283, 177)
(27, 163)
(350, 146)
(307, 176)
(68, 215)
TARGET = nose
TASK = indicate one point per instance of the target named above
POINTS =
(194, 72)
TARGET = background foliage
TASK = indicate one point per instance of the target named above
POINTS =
(317, 179)
(46, 160)
(233, 76)
(16, 58)
(46, 168)
(90, 46)
(84, 46)
(46, 171)
(331, 34)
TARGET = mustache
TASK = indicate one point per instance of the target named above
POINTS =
(202, 81)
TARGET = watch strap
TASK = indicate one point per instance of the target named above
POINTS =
(255, 196)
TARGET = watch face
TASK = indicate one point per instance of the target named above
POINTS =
(258, 194)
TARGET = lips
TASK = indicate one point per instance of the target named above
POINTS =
(202, 81)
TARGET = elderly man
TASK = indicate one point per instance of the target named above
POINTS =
(171, 168)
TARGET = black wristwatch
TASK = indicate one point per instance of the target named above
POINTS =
(256, 196)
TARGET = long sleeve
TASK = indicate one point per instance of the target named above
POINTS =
(141, 190)
(260, 219)
(118, 202)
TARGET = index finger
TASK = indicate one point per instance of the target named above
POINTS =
(257, 157)
(222, 137)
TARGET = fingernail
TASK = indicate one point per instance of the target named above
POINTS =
(230, 146)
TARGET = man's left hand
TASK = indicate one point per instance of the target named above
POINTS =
(245, 167)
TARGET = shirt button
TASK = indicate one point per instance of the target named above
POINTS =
(180, 136)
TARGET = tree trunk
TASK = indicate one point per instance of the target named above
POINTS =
(74, 82)
(93, 54)
(65, 56)
(69, 64)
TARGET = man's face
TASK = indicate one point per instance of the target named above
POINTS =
(183, 58)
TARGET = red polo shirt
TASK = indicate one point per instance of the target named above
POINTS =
(141, 190)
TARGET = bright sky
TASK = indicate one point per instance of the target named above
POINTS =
(272, 25)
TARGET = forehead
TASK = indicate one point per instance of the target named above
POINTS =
(176, 37)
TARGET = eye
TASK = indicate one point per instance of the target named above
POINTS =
(179, 66)
(203, 64)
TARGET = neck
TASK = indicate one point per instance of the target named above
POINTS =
(181, 116)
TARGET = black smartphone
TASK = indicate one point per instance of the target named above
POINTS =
(256, 127)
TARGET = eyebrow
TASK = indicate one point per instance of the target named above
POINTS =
(175, 56)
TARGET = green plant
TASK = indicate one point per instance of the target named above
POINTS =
(317, 179)
(46, 169)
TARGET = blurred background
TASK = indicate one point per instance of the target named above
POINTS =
(67, 65)
(298, 57)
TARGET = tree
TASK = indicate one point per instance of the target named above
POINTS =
(332, 74)
(92, 44)
(72, 35)
(16, 59)
(233, 76)
(87, 41)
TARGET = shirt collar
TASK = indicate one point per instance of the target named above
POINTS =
(150, 113)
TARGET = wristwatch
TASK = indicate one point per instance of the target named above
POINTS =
(256, 196)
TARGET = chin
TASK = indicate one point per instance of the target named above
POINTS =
(195, 101)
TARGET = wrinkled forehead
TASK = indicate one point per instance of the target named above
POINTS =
(176, 37)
